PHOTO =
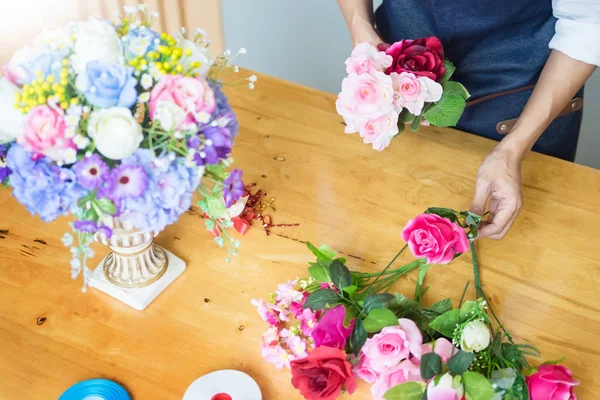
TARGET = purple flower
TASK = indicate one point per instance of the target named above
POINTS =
(126, 181)
(4, 170)
(41, 186)
(330, 330)
(223, 113)
(85, 226)
(106, 231)
(213, 144)
(91, 172)
(234, 188)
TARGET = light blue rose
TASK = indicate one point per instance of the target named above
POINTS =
(110, 85)
(47, 62)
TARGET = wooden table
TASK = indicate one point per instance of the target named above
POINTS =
(543, 277)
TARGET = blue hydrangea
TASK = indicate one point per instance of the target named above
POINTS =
(139, 41)
(44, 188)
(169, 192)
(223, 109)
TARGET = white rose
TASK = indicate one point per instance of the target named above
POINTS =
(199, 54)
(169, 115)
(475, 337)
(115, 132)
(11, 119)
(96, 40)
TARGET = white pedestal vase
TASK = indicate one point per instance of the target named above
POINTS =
(137, 270)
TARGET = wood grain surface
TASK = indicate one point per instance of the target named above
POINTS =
(543, 277)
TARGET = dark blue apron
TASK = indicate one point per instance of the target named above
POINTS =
(499, 48)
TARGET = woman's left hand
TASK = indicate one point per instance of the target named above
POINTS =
(499, 186)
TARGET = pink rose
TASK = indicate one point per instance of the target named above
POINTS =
(423, 57)
(442, 347)
(445, 389)
(177, 101)
(364, 371)
(412, 92)
(435, 238)
(551, 382)
(365, 57)
(364, 95)
(45, 132)
(393, 345)
(393, 376)
(380, 130)
(330, 330)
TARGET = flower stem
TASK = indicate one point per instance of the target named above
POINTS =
(386, 268)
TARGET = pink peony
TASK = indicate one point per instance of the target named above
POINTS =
(380, 130)
(179, 101)
(551, 382)
(412, 92)
(393, 376)
(330, 330)
(365, 95)
(45, 132)
(365, 57)
(393, 345)
(364, 371)
(435, 238)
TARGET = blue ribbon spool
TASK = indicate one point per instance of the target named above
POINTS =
(95, 389)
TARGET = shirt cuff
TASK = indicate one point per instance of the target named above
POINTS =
(578, 40)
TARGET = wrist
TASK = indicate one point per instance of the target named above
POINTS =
(515, 145)
(364, 31)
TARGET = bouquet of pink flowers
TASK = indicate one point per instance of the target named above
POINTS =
(117, 121)
(338, 326)
(391, 86)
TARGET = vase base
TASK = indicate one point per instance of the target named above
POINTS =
(139, 298)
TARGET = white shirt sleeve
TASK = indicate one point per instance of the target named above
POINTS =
(577, 29)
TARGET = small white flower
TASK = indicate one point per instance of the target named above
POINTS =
(178, 135)
(243, 50)
(475, 337)
(67, 239)
(154, 14)
(136, 73)
(144, 97)
(236, 69)
(183, 30)
(86, 109)
(142, 7)
(227, 53)
(88, 154)
(251, 86)
(202, 117)
(156, 41)
(93, 89)
(253, 78)
(171, 157)
(208, 142)
(70, 132)
(70, 156)
(129, 10)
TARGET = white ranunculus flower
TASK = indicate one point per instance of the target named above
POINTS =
(199, 54)
(11, 119)
(115, 132)
(475, 337)
(96, 40)
(169, 115)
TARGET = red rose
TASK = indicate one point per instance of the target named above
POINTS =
(422, 57)
(323, 374)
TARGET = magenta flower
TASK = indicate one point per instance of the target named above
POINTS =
(91, 172)
(330, 330)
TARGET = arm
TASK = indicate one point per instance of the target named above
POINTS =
(360, 20)
(499, 178)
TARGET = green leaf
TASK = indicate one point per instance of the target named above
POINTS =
(217, 171)
(443, 212)
(456, 88)
(450, 68)
(358, 337)
(440, 307)
(416, 123)
(446, 323)
(320, 299)
(340, 275)
(477, 387)
(323, 253)
(460, 362)
(405, 116)
(106, 206)
(469, 308)
(447, 111)
(378, 319)
(431, 365)
(374, 301)
(406, 391)
(351, 290)
(554, 362)
(215, 207)
(320, 271)
(504, 378)
(210, 224)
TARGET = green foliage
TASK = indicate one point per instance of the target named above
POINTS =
(460, 362)
(217, 171)
(340, 275)
(403, 307)
(437, 309)
(406, 391)
(450, 68)
(477, 387)
(443, 212)
(431, 365)
(446, 323)
(456, 88)
(106, 206)
(445, 112)
(378, 319)
(358, 337)
(320, 271)
(215, 207)
(416, 123)
(320, 299)
(373, 301)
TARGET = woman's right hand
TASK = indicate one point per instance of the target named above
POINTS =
(360, 20)
(363, 31)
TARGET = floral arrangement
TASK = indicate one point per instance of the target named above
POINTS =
(406, 83)
(117, 121)
(336, 326)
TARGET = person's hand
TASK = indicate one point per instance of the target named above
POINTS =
(499, 181)
(363, 31)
